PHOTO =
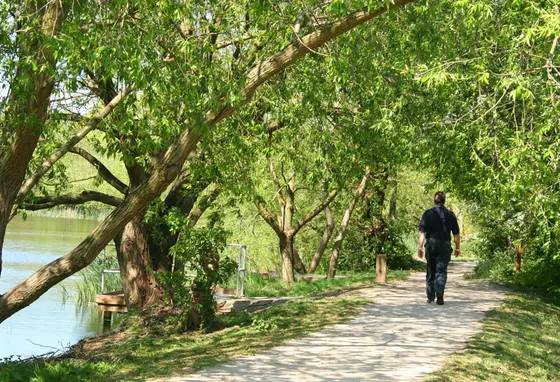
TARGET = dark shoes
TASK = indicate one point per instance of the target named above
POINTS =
(439, 300)
(430, 300)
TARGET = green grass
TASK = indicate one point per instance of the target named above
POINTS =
(520, 341)
(257, 287)
(144, 352)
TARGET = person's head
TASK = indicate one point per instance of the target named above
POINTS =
(439, 198)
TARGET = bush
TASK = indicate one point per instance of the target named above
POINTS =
(197, 251)
(358, 256)
(398, 253)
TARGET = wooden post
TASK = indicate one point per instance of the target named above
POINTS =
(381, 268)
(107, 318)
(518, 260)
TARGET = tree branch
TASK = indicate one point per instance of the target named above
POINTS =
(280, 61)
(71, 199)
(226, 43)
(202, 206)
(269, 217)
(279, 188)
(50, 161)
(316, 211)
(103, 171)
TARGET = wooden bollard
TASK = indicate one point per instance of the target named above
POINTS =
(518, 259)
(107, 319)
(380, 268)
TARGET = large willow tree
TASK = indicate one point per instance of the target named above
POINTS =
(191, 65)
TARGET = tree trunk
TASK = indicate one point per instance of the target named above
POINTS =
(376, 234)
(287, 258)
(140, 286)
(393, 202)
(327, 234)
(28, 103)
(344, 226)
(299, 266)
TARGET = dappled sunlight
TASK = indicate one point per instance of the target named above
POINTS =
(399, 338)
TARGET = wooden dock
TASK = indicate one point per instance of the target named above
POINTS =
(111, 301)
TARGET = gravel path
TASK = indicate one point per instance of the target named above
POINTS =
(399, 338)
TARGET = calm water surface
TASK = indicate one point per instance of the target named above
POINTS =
(54, 320)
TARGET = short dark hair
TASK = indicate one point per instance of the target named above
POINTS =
(439, 198)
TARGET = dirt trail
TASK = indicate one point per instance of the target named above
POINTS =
(399, 338)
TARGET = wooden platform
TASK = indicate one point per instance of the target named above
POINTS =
(111, 301)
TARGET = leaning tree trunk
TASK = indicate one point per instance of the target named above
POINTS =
(329, 229)
(29, 101)
(344, 226)
(299, 266)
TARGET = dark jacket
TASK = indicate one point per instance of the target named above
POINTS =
(438, 223)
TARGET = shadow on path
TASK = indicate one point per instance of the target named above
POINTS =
(399, 338)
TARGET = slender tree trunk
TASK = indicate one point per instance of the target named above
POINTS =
(287, 240)
(327, 234)
(344, 226)
(376, 234)
(299, 266)
(393, 201)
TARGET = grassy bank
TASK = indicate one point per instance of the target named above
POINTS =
(148, 351)
(520, 341)
(257, 287)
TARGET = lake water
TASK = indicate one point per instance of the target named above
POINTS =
(54, 321)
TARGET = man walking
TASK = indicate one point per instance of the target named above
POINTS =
(436, 227)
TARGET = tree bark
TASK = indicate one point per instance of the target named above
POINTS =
(202, 205)
(136, 262)
(140, 286)
(327, 234)
(165, 170)
(28, 105)
(393, 201)
(299, 265)
(344, 226)
(287, 259)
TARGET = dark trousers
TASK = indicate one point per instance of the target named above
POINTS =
(438, 254)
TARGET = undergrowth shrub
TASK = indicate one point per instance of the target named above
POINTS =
(197, 252)
(358, 254)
